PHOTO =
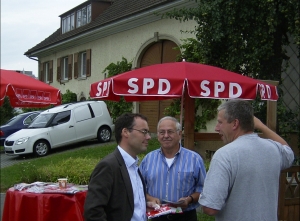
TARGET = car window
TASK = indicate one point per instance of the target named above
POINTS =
(41, 121)
(62, 117)
(82, 113)
(30, 118)
(97, 108)
(14, 120)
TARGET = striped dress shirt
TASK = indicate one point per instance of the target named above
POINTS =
(184, 176)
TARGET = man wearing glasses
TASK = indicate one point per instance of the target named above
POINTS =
(173, 173)
(116, 190)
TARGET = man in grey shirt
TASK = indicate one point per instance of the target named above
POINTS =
(243, 178)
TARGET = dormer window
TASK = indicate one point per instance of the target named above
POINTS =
(68, 23)
(82, 16)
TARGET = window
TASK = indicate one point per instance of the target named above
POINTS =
(82, 64)
(64, 68)
(68, 23)
(78, 19)
(62, 117)
(30, 118)
(46, 72)
(84, 16)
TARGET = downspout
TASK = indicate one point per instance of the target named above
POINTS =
(38, 64)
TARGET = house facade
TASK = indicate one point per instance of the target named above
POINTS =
(96, 33)
(99, 32)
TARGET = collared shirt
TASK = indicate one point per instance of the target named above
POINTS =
(185, 175)
(139, 213)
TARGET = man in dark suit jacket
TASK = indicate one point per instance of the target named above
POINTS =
(116, 190)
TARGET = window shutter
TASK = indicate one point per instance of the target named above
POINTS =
(88, 63)
(51, 71)
(70, 66)
(58, 70)
(75, 65)
(41, 73)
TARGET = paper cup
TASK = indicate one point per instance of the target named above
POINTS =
(62, 183)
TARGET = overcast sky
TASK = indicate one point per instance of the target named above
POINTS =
(24, 24)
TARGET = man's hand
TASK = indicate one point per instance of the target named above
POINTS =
(152, 199)
(267, 132)
(186, 202)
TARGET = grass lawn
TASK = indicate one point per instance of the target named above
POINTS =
(77, 165)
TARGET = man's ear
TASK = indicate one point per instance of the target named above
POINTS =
(125, 132)
(236, 124)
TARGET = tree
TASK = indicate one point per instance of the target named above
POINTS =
(246, 37)
(69, 97)
(6, 111)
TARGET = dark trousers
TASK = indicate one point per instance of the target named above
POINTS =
(185, 216)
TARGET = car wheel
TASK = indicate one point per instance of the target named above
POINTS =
(104, 134)
(41, 148)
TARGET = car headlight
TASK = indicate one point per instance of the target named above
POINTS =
(22, 140)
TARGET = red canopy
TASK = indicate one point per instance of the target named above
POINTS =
(168, 80)
(25, 91)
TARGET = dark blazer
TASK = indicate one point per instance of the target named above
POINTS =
(110, 194)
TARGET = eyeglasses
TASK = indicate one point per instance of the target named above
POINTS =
(169, 132)
(145, 132)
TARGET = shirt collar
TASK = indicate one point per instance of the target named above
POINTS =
(129, 160)
(180, 148)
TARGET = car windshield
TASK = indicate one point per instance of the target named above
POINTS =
(41, 121)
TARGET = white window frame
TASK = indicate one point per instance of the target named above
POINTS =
(64, 68)
(89, 13)
(68, 23)
(47, 72)
(84, 16)
(78, 20)
(82, 64)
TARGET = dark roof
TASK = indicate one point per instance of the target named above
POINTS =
(119, 9)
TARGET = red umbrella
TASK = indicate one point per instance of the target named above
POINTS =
(174, 80)
(25, 91)
(169, 80)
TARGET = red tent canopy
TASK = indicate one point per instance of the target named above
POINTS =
(25, 91)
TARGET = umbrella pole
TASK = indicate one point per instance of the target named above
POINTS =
(189, 122)
(181, 110)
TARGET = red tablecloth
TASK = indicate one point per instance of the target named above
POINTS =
(24, 206)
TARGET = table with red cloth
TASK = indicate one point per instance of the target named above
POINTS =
(26, 206)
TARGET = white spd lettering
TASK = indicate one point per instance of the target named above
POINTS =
(219, 87)
(263, 90)
(102, 88)
(164, 85)
(231, 89)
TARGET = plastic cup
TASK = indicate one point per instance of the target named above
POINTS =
(62, 183)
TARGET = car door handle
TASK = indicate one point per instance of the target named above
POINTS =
(71, 126)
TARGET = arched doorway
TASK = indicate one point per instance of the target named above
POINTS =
(160, 52)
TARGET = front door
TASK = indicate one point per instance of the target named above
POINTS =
(158, 53)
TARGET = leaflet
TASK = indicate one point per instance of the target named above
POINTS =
(173, 203)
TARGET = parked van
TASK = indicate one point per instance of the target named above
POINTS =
(60, 126)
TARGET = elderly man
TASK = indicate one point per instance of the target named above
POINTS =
(173, 173)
